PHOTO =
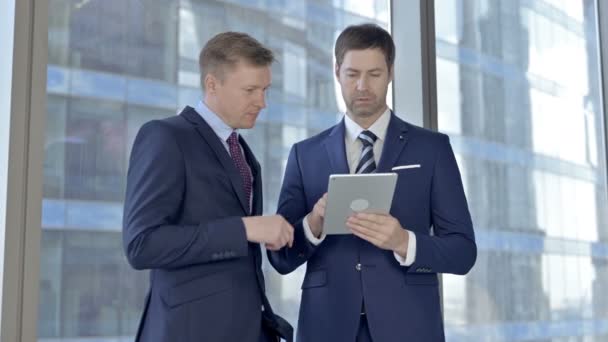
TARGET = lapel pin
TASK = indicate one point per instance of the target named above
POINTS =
(401, 137)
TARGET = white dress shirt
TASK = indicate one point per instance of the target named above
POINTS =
(353, 152)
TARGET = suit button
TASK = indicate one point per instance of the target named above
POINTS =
(358, 267)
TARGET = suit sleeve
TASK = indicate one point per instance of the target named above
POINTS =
(452, 248)
(292, 206)
(156, 183)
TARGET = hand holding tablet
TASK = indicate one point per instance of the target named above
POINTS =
(349, 193)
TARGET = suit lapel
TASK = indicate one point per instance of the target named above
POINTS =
(257, 209)
(336, 151)
(396, 139)
(256, 170)
(220, 152)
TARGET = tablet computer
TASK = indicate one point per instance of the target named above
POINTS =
(370, 193)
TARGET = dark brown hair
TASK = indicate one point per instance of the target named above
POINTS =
(226, 49)
(365, 36)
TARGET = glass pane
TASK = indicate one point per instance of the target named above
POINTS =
(519, 94)
(115, 64)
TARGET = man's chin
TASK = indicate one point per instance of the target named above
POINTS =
(362, 112)
(247, 125)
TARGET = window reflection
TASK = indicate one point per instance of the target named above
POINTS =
(518, 93)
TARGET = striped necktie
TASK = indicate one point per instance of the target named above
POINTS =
(366, 161)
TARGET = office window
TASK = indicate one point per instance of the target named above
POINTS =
(115, 64)
(518, 92)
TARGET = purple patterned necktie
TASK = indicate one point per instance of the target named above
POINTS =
(241, 164)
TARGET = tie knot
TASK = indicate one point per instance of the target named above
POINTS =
(367, 138)
(233, 139)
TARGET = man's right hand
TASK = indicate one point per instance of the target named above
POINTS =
(273, 231)
(316, 216)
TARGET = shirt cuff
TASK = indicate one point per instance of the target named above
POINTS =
(315, 241)
(411, 251)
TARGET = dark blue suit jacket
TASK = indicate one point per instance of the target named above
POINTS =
(183, 221)
(401, 303)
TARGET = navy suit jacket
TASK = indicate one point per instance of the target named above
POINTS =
(401, 303)
(183, 221)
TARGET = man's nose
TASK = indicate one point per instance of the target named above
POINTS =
(261, 100)
(362, 83)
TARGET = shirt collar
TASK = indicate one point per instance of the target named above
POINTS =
(379, 127)
(220, 128)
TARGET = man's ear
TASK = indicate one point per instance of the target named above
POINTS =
(210, 83)
(391, 74)
(337, 70)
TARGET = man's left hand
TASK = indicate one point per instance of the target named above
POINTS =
(382, 230)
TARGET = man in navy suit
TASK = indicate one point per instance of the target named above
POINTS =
(194, 193)
(380, 283)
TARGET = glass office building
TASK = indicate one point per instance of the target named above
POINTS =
(518, 91)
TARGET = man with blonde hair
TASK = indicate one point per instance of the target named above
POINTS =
(193, 206)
